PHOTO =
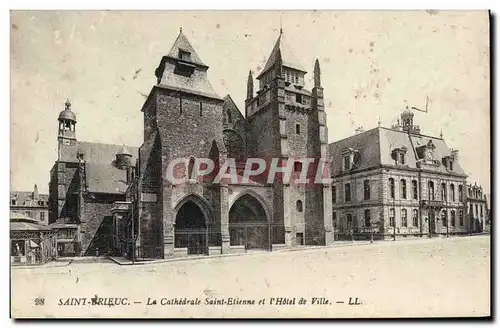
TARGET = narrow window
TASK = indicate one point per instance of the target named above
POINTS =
(452, 187)
(403, 188)
(391, 217)
(431, 190)
(180, 102)
(415, 218)
(201, 108)
(347, 192)
(452, 219)
(297, 166)
(415, 189)
(349, 221)
(297, 128)
(451, 165)
(191, 168)
(299, 206)
(391, 187)
(228, 112)
(366, 189)
(404, 218)
(334, 194)
(334, 219)
(444, 219)
(402, 158)
(443, 191)
(298, 98)
(368, 222)
(460, 193)
(347, 162)
(461, 217)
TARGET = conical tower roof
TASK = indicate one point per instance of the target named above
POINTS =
(182, 43)
(287, 56)
(124, 151)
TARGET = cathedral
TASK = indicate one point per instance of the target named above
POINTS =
(123, 203)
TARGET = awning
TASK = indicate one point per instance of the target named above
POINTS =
(33, 244)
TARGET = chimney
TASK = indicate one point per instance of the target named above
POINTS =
(35, 192)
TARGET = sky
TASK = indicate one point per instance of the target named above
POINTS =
(373, 64)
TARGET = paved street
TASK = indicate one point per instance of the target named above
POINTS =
(439, 277)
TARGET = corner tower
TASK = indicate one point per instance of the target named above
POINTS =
(287, 121)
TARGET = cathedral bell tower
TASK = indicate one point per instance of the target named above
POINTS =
(66, 135)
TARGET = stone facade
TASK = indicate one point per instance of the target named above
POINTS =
(127, 205)
(477, 212)
(185, 118)
(399, 183)
(31, 204)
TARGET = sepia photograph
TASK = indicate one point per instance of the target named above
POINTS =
(250, 164)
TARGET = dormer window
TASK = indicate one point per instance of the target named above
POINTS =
(184, 55)
(13, 202)
(398, 155)
(351, 158)
(448, 163)
(347, 162)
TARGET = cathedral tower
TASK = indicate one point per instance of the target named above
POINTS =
(183, 119)
(287, 121)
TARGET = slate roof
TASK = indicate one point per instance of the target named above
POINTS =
(105, 178)
(20, 222)
(197, 82)
(182, 43)
(102, 174)
(104, 153)
(95, 152)
(287, 56)
(375, 147)
(368, 145)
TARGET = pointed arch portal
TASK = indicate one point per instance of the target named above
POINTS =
(191, 228)
(249, 224)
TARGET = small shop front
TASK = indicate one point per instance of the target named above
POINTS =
(30, 242)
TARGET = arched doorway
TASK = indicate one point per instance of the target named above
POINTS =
(191, 229)
(248, 224)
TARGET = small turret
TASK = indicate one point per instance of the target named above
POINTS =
(317, 74)
(67, 122)
(407, 122)
(250, 86)
(123, 159)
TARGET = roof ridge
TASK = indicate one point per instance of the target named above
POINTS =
(287, 56)
(182, 43)
(353, 135)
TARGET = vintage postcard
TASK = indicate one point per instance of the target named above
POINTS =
(250, 164)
